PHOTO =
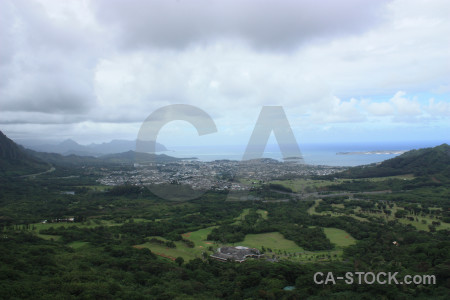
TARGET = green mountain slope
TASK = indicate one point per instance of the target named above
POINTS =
(426, 161)
(127, 158)
(14, 160)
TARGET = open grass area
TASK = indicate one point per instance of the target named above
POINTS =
(171, 253)
(49, 237)
(301, 185)
(199, 237)
(181, 250)
(418, 224)
(77, 244)
(96, 188)
(312, 211)
(280, 247)
(87, 224)
(401, 177)
(272, 240)
(339, 237)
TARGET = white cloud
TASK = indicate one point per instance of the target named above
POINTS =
(404, 106)
(113, 63)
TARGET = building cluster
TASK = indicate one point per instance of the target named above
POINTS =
(237, 254)
(215, 175)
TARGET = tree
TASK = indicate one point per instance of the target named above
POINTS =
(179, 260)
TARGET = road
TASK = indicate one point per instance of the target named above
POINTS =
(37, 174)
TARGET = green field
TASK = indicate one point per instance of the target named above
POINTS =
(199, 237)
(306, 185)
(312, 211)
(302, 185)
(282, 248)
(77, 244)
(417, 224)
(272, 240)
(181, 250)
(49, 237)
(339, 237)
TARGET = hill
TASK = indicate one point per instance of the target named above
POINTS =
(426, 161)
(69, 147)
(138, 157)
(125, 158)
(14, 160)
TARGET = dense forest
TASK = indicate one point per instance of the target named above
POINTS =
(65, 236)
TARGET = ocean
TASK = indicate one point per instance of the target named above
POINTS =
(315, 154)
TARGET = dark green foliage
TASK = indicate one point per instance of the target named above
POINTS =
(279, 187)
(97, 258)
(418, 162)
(308, 238)
(15, 161)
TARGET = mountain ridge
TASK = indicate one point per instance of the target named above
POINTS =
(14, 160)
(69, 146)
(424, 161)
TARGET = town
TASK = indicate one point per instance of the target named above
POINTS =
(215, 175)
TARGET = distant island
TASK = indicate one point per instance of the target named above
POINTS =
(373, 152)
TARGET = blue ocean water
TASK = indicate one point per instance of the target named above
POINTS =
(315, 154)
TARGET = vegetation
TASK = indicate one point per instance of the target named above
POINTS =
(126, 243)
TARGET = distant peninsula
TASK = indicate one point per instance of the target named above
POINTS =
(398, 152)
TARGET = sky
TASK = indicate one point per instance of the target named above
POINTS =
(354, 71)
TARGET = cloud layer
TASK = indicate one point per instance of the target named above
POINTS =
(96, 69)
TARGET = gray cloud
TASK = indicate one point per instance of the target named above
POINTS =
(97, 68)
(267, 24)
(48, 63)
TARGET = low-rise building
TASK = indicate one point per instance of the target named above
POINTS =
(238, 253)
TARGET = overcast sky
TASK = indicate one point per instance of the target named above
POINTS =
(351, 71)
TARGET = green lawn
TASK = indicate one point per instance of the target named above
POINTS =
(280, 246)
(198, 237)
(299, 185)
(288, 250)
(49, 237)
(87, 224)
(77, 244)
(312, 211)
(339, 237)
(273, 240)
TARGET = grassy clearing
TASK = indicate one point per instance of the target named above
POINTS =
(312, 211)
(96, 188)
(198, 237)
(280, 247)
(170, 253)
(87, 224)
(272, 240)
(401, 177)
(284, 249)
(77, 244)
(418, 224)
(301, 185)
(421, 226)
(49, 237)
(339, 237)
(90, 223)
